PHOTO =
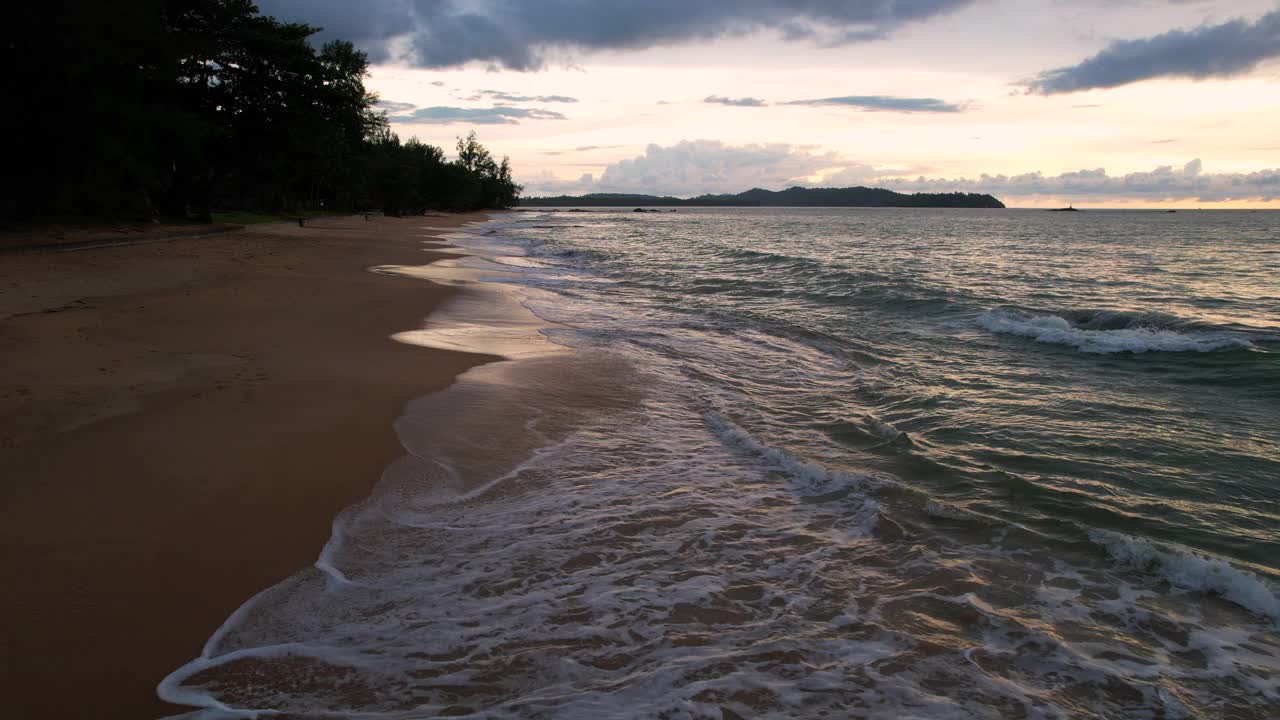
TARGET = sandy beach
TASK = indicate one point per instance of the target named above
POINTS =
(180, 422)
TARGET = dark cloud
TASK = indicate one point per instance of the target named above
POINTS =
(500, 96)
(395, 107)
(437, 83)
(856, 36)
(735, 102)
(474, 116)
(1232, 48)
(884, 103)
(520, 35)
(368, 27)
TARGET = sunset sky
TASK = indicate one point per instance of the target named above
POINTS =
(1039, 102)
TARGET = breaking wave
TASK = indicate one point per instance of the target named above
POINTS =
(1132, 337)
(811, 477)
(1192, 571)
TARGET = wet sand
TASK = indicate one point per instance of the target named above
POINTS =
(179, 424)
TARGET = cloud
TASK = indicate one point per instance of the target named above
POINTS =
(522, 35)
(695, 167)
(884, 103)
(395, 107)
(735, 102)
(582, 148)
(499, 115)
(500, 96)
(1166, 182)
(437, 83)
(700, 166)
(369, 28)
(1232, 48)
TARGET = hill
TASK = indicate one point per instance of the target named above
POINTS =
(791, 197)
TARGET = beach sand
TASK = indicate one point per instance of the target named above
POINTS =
(179, 424)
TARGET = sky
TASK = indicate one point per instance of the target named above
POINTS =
(1042, 103)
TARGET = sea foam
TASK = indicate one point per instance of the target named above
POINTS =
(703, 549)
(1056, 330)
(1192, 571)
(810, 477)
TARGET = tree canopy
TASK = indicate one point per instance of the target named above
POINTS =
(179, 107)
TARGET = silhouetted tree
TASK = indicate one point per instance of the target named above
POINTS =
(178, 106)
(497, 190)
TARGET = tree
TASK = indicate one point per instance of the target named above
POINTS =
(473, 156)
(497, 190)
(175, 107)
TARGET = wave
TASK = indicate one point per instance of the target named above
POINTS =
(811, 478)
(765, 257)
(947, 511)
(1192, 571)
(1129, 333)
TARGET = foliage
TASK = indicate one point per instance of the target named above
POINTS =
(179, 107)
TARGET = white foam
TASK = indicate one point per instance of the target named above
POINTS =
(883, 428)
(947, 511)
(1192, 571)
(661, 560)
(812, 476)
(1055, 330)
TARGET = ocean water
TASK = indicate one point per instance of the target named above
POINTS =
(812, 463)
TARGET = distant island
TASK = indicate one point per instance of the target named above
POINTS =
(791, 197)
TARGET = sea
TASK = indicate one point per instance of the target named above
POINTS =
(811, 463)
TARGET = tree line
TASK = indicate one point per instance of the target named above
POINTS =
(177, 108)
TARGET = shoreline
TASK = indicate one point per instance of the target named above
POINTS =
(182, 423)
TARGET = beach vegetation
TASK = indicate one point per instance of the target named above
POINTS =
(186, 108)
